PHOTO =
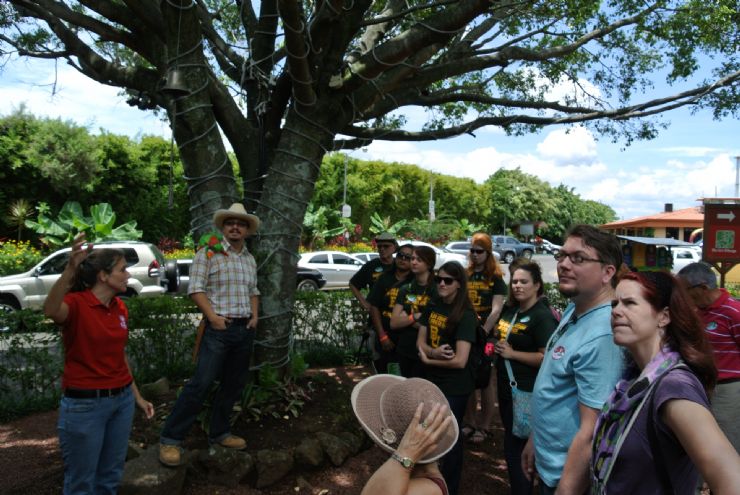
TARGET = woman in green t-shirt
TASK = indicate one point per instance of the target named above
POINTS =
(446, 334)
(411, 301)
(528, 323)
(487, 291)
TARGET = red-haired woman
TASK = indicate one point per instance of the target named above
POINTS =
(655, 433)
(487, 291)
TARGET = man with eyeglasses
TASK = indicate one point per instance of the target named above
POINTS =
(366, 277)
(720, 313)
(223, 284)
(580, 367)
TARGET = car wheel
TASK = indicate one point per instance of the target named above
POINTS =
(172, 274)
(307, 285)
(508, 257)
(527, 253)
(8, 305)
(128, 294)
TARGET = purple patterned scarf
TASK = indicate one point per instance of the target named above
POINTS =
(619, 412)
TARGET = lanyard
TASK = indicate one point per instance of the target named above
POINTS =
(572, 320)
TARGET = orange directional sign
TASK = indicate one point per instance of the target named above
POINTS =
(721, 232)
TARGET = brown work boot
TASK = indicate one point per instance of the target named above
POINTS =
(169, 455)
(233, 442)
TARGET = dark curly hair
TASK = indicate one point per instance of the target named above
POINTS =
(98, 260)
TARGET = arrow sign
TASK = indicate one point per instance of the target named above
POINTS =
(726, 216)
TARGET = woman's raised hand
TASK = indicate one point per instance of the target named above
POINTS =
(78, 254)
(421, 437)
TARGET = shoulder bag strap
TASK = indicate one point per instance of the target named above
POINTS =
(509, 371)
(652, 429)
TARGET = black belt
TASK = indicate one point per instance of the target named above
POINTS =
(239, 321)
(93, 393)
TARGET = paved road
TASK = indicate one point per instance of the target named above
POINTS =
(548, 264)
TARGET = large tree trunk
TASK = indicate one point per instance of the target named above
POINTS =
(207, 167)
(289, 185)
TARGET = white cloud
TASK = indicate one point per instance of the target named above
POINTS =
(574, 145)
(69, 95)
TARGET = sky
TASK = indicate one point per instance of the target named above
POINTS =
(694, 157)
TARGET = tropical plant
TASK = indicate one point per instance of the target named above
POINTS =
(20, 210)
(99, 226)
(379, 224)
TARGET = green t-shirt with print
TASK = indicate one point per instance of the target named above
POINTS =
(530, 332)
(414, 298)
(383, 296)
(481, 291)
(452, 381)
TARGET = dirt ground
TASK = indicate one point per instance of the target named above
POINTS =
(32, 464)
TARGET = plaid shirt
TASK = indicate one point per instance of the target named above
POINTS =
(228, 281)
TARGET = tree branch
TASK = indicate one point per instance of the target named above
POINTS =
(297, 47)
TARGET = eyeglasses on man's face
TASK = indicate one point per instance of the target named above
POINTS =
(444, 280)
(577, 258)
(385, 246)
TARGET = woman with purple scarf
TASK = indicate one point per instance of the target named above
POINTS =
(655, 433)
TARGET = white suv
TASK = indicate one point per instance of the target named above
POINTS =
(151, 275)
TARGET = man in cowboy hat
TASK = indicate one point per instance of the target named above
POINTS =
(223, 284)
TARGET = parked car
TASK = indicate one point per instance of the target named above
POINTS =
(463, 247)
(336, 267)
(683, 256)
(365, 257)
(151, 275)
(511, 248)
(549, 247)
(306, 278)
(443, 255)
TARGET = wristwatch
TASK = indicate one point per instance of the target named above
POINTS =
(405, 461)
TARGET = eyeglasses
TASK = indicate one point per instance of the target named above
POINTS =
(237, 223)
(403, 256)
(385, 246)
(477, 251)
(576, 258)
(445, 280)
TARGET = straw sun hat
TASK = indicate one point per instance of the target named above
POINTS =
(385, 405)
(236, 210)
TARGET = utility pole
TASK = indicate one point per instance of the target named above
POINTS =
(737, 176)
(346, 209)
(431, 200)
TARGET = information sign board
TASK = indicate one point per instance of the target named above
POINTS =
(721, 232)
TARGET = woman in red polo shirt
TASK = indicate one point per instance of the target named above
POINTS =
(97, 406)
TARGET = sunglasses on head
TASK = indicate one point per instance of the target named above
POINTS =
(477, 250)
(445, 280)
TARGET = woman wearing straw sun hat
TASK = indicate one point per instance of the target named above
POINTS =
(410, 419)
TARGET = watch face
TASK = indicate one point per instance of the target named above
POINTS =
(406, 462)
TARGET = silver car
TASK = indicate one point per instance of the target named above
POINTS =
(443, 255)
(151, 275)
(336, 266)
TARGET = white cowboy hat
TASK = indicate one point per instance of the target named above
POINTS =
(236, 211)
(385, 405)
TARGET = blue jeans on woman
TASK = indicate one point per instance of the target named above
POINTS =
(93, 436)
(451, 464)
(224, 356)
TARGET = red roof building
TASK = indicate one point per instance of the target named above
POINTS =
(677, 224)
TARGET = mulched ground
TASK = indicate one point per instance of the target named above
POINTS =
(32, 465)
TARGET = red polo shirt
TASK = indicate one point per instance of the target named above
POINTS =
(94, 338)
(722, 326)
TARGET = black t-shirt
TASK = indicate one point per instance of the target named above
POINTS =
(481, 291)
(383, 296)
(452, 381)
(369, 273)
(414, 298)
(531, 332)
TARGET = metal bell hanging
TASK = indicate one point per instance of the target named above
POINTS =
(175, 84)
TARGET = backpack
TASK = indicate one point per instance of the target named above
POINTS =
(481, 358)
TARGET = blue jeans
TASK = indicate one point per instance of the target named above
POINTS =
(93, 436)
(452, 462)
(223, 356)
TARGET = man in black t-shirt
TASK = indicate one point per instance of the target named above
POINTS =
(369, 273)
